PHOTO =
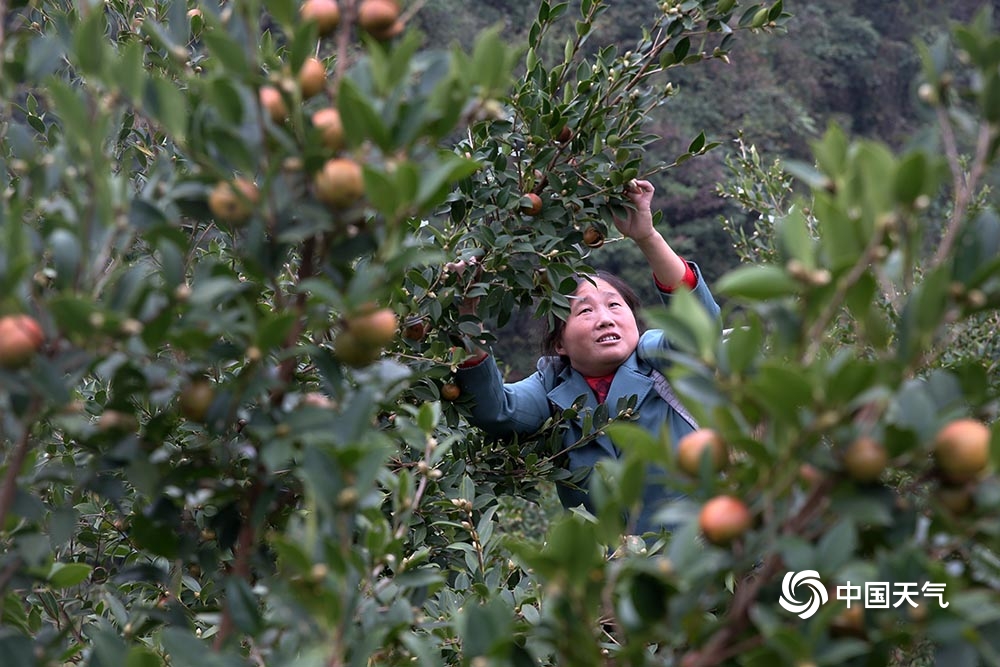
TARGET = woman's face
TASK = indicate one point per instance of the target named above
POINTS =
(600, 331)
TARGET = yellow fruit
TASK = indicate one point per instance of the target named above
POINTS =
(692, 447)
(328, 122)
(272, 102)
(375, 328)
(196, 398)
(962, 449)
(20, 339)
(339, 183)
(233, 202)
(865, 459)
(375, 16)
(326, 14)
(723, 519)
(312, 77)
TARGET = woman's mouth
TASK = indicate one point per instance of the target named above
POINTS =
(609, 338)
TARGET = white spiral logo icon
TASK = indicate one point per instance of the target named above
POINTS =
(817, 593)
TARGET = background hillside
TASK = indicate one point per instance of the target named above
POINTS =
(850, 63)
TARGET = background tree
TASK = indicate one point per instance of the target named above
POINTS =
(228, 427)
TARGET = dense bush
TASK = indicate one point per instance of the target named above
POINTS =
(233, 438)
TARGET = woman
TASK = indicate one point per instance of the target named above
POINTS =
(598, 353)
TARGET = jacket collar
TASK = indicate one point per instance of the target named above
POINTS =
(632, 377)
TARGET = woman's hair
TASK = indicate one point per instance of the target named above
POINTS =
(551, 339)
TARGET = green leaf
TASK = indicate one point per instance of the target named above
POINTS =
(795, 239)
(989, 100)
(64, 575)
(489, 65)
(697, 144)
(360, 118)
(168, 105)
(16, 649)
(757, 283)
(90, 43)
(140, 656)
(227, 52)
(911, 178)
(837, 546)
(242, 606)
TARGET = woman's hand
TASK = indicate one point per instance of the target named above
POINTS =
(638, 225)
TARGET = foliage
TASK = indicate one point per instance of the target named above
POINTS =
(327, 505)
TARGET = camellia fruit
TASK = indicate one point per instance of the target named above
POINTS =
(865, 459)
(331, 128)
(723, 519)
(326, 14)
(565, 134)
(196, 398)
(593, 237)
(415, 330)
(339, 183)
(312, 77)
(375, 327)
(450, 391)
(20, 339)
(693, 446)
(350, 350)
(533, 206)
(962, 449)
(233, 201)
(272, 102)
(375, 16)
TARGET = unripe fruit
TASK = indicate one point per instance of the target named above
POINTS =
(326, 13)
(450, 391)
(312, 77)
(865, 459)
(533, 206)
(593, 237)
(375, 16)
(340, 183)
(693, 446)
(233, 202)
(723, 519)
(375, 328)
(351, 351)
(962, 449)
(331, 128)
(20, 339)
(272, 102)
(196, 398)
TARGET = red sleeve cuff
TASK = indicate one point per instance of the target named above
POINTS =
(690, 279)
(474, 360)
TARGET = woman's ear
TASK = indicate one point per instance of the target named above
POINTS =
(560, 350)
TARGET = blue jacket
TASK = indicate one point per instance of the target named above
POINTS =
(522, 407)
